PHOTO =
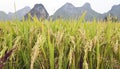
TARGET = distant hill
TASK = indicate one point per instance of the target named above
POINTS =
(69, 11)
(66, 11)
(17, 15)
(115, 11)
(39, 11)
(20, 13)
(3, 16)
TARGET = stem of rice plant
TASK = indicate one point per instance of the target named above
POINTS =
(98, 55)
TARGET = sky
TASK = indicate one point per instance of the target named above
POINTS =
(100, 6)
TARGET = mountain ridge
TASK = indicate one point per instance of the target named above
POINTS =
(67, 11)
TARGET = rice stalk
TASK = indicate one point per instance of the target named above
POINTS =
(36, 50)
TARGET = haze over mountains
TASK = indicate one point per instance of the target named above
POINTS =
(67, 11)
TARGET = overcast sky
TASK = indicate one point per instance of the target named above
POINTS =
(100, 6)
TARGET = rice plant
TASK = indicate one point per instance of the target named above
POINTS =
(59, 44)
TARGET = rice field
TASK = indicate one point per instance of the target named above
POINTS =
(59, 44)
